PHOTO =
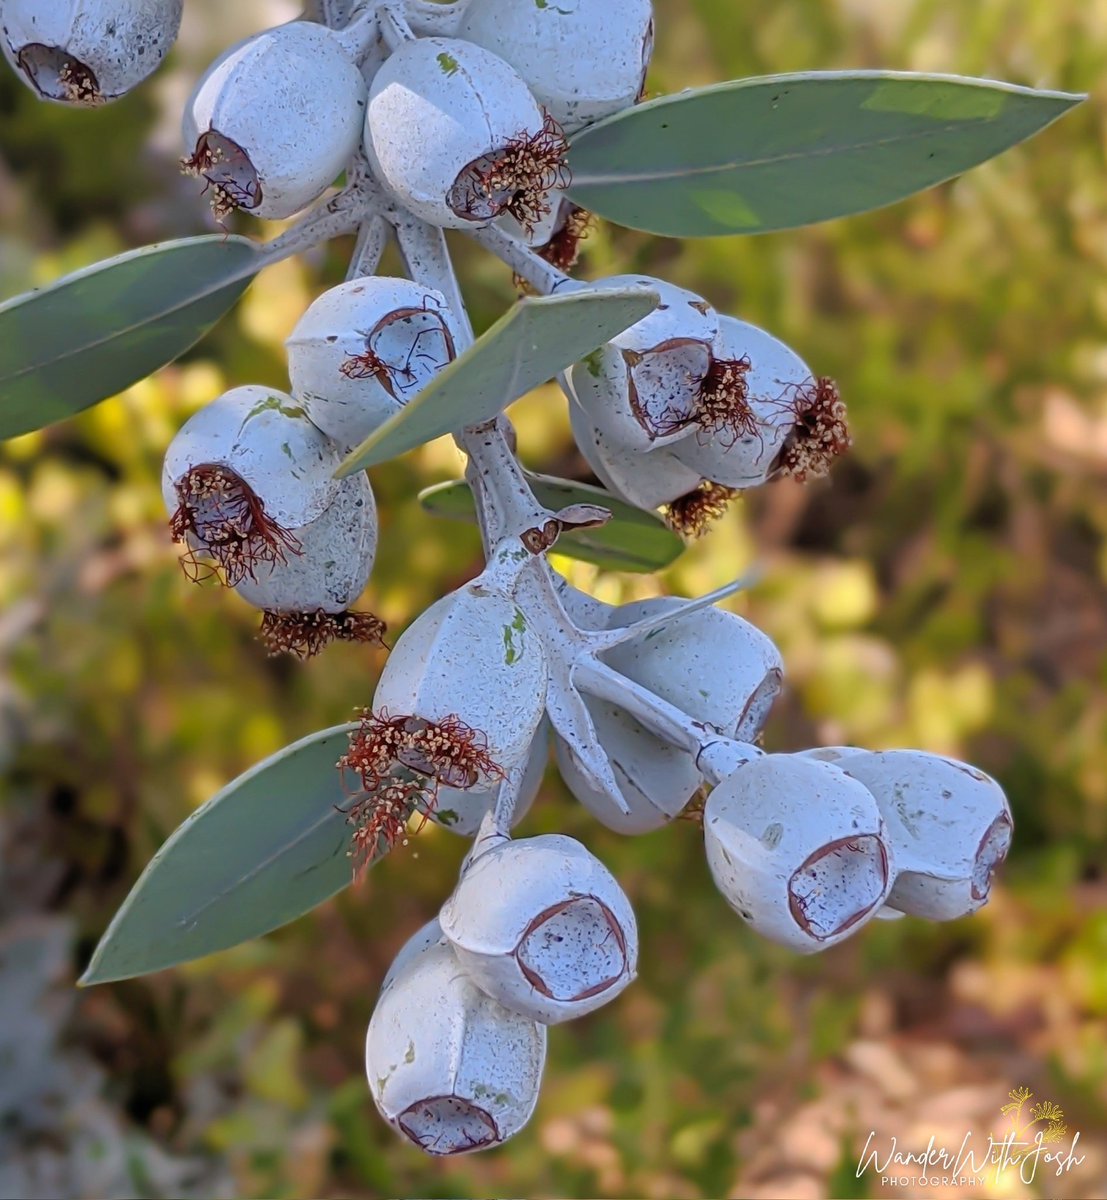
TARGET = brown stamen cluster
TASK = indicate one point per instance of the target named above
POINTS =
(227, 173)
(563, 249)
(79, 84)
(220, 517)
(820, 434)
(515, 179)
(367, 365)
(304, 634)
(447, 752)
(691, 514)
(722, 407)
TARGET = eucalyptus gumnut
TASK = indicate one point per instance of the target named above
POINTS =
(542, 927)
(275, 120)
(461, 811)
(87, 52)
(456, 137)
(711, 664)
(799, 850)
(583, 59)
(448, 1067)
(306, 599)
(760, 412)
(647, 480)
(241, 475)
(656, 780)
(363, 349)
(949, 824)
(472, 668)
(641, 388)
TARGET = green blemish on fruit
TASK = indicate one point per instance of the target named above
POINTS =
(772, 835)
(654, 633)
(703, 692)
(409, 1057)
(446, 816)
(274, 404)
(594, 362)
(286, 450)
(513, 652)
(448, 63)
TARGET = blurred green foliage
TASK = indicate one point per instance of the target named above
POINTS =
(947, 590)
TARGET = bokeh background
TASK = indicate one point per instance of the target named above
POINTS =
(947, 590)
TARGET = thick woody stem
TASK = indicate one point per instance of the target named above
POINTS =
(542, 276)
(505, 502)
(664, 719)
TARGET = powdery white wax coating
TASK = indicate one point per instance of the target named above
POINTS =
(462, 810)
(949, 824)
(293, 101)
(646, 480)
(583, 59)
(774, 375)
(543, 927)
(264, 437)
(640, 388)
(335, 561)
(421, 940)
(799, 849)
(435, 106)
(583, 610)
(363, 349)
(120, 41)
(471, 655)
(656, 779)
(833, 754)
(448, 1067)
(710, 664)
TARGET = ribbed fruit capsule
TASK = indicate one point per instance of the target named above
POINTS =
(760, 412)
(470, 659)
(241, 475)
(542, 927)
(363, 349)
(641, 388)
(275, 120)
(448, 1067)
(307, 598)
(949, 824)
(583, 59)
(799, 849)
(711, 664)
(657, 780)
(455, 135)
(461, 811)
(648, 480)
(87, 52)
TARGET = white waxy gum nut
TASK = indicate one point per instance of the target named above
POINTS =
(657, 780)
(265, 438)
(462, 811)
(747, 406)
(711, 664)
(274, 121)
(448, 1067)
(799, 849)
(640, 389)
(583, 59)
(86, 52)
(949, 824)
(364, 349)
(647, 480)
(471, 656)
(542, 926)
(456, 137)
(334, 561)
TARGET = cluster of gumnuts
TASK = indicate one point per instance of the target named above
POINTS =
(461, 114)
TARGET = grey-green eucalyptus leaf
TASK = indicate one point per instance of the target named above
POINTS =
(533, 341)
(633, 540)
(99, 330)
(781, 151)
(266, 849)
